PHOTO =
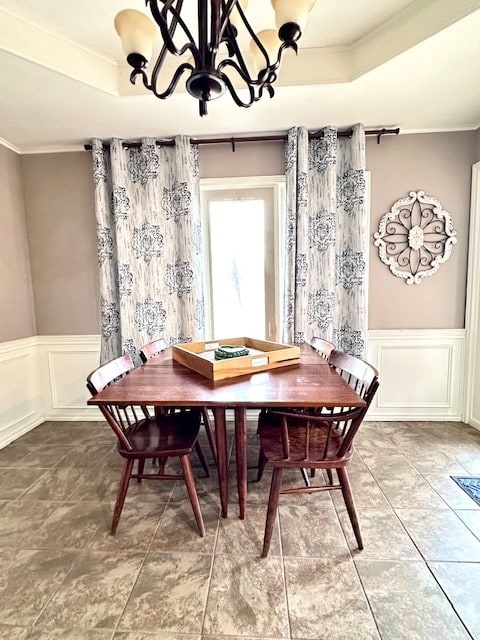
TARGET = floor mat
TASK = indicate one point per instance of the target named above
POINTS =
(470, 485)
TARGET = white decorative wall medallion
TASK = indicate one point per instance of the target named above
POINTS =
(415, 237)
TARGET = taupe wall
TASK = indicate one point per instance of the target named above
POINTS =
(17, 319)
(58, 190)
(249, 159)
(60, 222)
(440, 165)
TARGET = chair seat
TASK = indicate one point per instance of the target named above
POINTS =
(168, 435)
(319, 455)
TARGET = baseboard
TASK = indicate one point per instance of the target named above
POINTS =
(473, 422)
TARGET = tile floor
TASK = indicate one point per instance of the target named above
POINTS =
(63, 577)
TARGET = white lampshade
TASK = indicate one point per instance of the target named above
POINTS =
(270, 40)
(292, 11)
(137, 32)
(235, 16)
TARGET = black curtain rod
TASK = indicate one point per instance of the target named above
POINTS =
(169, 142)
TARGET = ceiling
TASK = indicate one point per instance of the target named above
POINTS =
(389, 63)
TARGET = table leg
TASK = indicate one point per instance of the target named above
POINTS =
(222, 456)
(241, 457)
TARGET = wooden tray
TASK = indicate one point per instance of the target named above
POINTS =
(264, 355)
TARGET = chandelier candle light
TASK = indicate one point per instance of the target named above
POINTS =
(216, 62)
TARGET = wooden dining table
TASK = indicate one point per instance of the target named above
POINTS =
(163, 382)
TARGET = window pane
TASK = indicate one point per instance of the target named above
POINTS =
(237, 254)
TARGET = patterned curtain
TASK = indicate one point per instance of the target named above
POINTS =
(326, 239)
(147, 204)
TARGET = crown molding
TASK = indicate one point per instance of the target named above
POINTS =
(9, 145)
(417, 22)
(29, 40)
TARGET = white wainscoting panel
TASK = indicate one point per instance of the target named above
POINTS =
(65, 362)
(421, 374)
(43, 378)
(21, 400)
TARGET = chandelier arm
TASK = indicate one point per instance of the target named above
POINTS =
(158, 63)
(227, 10)
(235, 52)
(240, 67)
(234, 94)
(257, 42)
(152, 86)
(241, 14)
(161, 18)
(269, 88)
(268, 76)
(273, 68)
(139, 72)
(164, 49)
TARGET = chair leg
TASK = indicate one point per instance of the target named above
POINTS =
(305, 477)
(122, 492)
(208, 428)
(141, 467)
(262, 461)
(162, 461)
(272, 509)
(312, 475)
(350, 504)
(192, 492)
(201, 456)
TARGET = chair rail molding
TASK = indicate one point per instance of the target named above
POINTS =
(421, 374)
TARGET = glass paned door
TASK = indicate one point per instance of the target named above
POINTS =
(237, 260)
(242, 258)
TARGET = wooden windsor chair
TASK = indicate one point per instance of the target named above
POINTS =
(141, 438)
(303, 440)
(154, 348)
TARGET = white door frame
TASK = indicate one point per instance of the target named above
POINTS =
(472, 313)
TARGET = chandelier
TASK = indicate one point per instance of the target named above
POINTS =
(214, 60)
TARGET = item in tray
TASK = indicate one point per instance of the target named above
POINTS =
(230, 351)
